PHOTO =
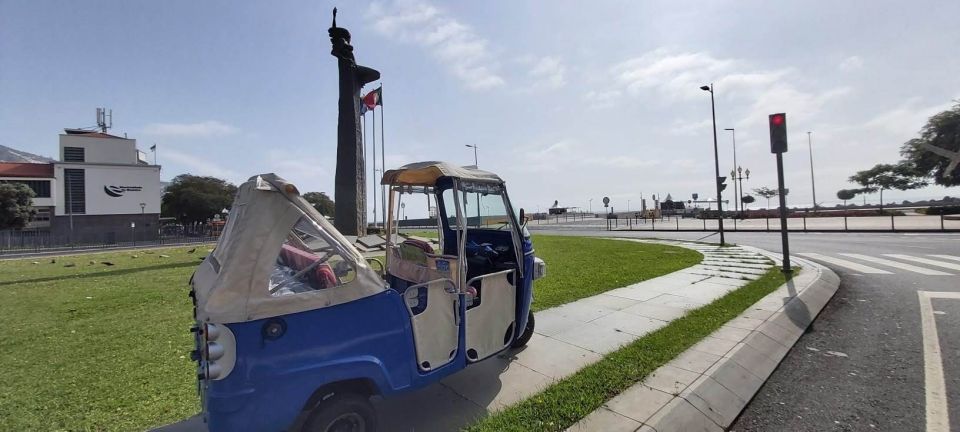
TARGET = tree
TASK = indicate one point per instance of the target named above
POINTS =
(766, 192)
(747, 199)
(936, 153)
(846, 194)
(886, 176)
(191, 198)
(16, 205)
(321, 202)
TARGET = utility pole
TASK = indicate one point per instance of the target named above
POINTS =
(813, 186)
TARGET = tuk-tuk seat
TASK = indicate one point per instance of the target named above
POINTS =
(297, 259)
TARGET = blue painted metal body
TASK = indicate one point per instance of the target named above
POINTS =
(369, 339)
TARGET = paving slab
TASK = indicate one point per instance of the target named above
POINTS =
(634, 324)
(670, 379)
(638, 402)
(605, 420)
(554, 358)
(596, 338)
(655, 311)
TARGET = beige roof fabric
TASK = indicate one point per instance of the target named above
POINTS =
(231, 284)
(427, 173)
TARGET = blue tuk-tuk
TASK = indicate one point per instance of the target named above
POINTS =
(296, 330)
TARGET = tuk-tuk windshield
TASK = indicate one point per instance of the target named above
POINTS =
(483, 208)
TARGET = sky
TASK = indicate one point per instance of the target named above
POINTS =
(565, 100)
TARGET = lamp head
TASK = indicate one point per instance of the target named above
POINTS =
(705, 88)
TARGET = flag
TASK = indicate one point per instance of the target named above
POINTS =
(372, 99)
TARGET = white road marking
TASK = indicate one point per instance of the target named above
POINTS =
(898, 265)
(949, 265)
(949, 257)
(844, 263)
(938, 416)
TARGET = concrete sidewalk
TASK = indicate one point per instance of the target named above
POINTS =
(571, 336)
(706, 387)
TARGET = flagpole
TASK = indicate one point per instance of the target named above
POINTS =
(375, 164)
(383, 160)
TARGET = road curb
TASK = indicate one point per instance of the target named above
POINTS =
(706, 387)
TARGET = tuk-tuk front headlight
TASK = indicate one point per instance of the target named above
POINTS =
(539, 268)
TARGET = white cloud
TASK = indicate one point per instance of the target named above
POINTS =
(548, 73)
(602, 99)
(199, 165)
(905, 121)
(851, 63)
(454, 44)
(205, 129)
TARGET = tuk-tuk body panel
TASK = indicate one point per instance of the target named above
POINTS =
(367, 339)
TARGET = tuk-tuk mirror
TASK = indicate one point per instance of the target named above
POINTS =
(523, 217)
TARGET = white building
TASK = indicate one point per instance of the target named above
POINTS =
(101, 190)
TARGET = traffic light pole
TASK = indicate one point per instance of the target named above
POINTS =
(716, 166)
(783, 215)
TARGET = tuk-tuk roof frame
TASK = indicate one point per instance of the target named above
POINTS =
(429, 172)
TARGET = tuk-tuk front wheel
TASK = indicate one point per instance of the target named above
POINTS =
(527, 333)
(343, 412)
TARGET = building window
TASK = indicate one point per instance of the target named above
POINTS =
(40, 188)
(74, 191)
(42, 215)
(73, 154)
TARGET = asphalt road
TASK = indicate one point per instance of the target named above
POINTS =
(861, 364)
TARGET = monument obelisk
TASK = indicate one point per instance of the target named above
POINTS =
(350, 187)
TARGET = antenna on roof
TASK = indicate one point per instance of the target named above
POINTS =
(104, 119)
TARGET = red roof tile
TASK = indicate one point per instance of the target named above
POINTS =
(10, 169)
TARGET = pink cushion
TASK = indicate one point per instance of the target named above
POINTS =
(298, 259)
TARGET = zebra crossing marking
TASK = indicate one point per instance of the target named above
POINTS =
(844, 263)
(949, 257)
(927, 261)
(899, 265)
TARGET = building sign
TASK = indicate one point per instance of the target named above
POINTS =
(118, 191)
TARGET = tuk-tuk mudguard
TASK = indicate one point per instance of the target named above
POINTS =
(367, 339)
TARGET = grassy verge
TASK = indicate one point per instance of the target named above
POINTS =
(573, 398)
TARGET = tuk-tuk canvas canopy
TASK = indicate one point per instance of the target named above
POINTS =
(427, 174)
(232, 283)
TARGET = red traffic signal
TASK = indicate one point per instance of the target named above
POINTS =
(778, 133)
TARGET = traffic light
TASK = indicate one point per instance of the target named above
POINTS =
(778, 133)
(720, 181)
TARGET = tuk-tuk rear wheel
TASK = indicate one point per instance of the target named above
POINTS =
(527, 333)
(343, 412)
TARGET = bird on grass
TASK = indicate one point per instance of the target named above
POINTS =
(107, 263)
(192, 250)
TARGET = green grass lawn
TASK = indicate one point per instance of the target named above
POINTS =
(579, 267)
(567, 401)
(96, 347)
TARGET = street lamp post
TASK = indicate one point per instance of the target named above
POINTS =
(736, 191)
(474, 147)
(738, 176)
(716, 161)
(813, 186)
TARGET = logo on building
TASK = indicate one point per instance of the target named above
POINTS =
(118, 191)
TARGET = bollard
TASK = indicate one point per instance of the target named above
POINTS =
(892, 227)
(768, 224)
(845, 223)
(804, 223)
(941, 221)
(678, 224)
(704, 224)
(653, 224)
